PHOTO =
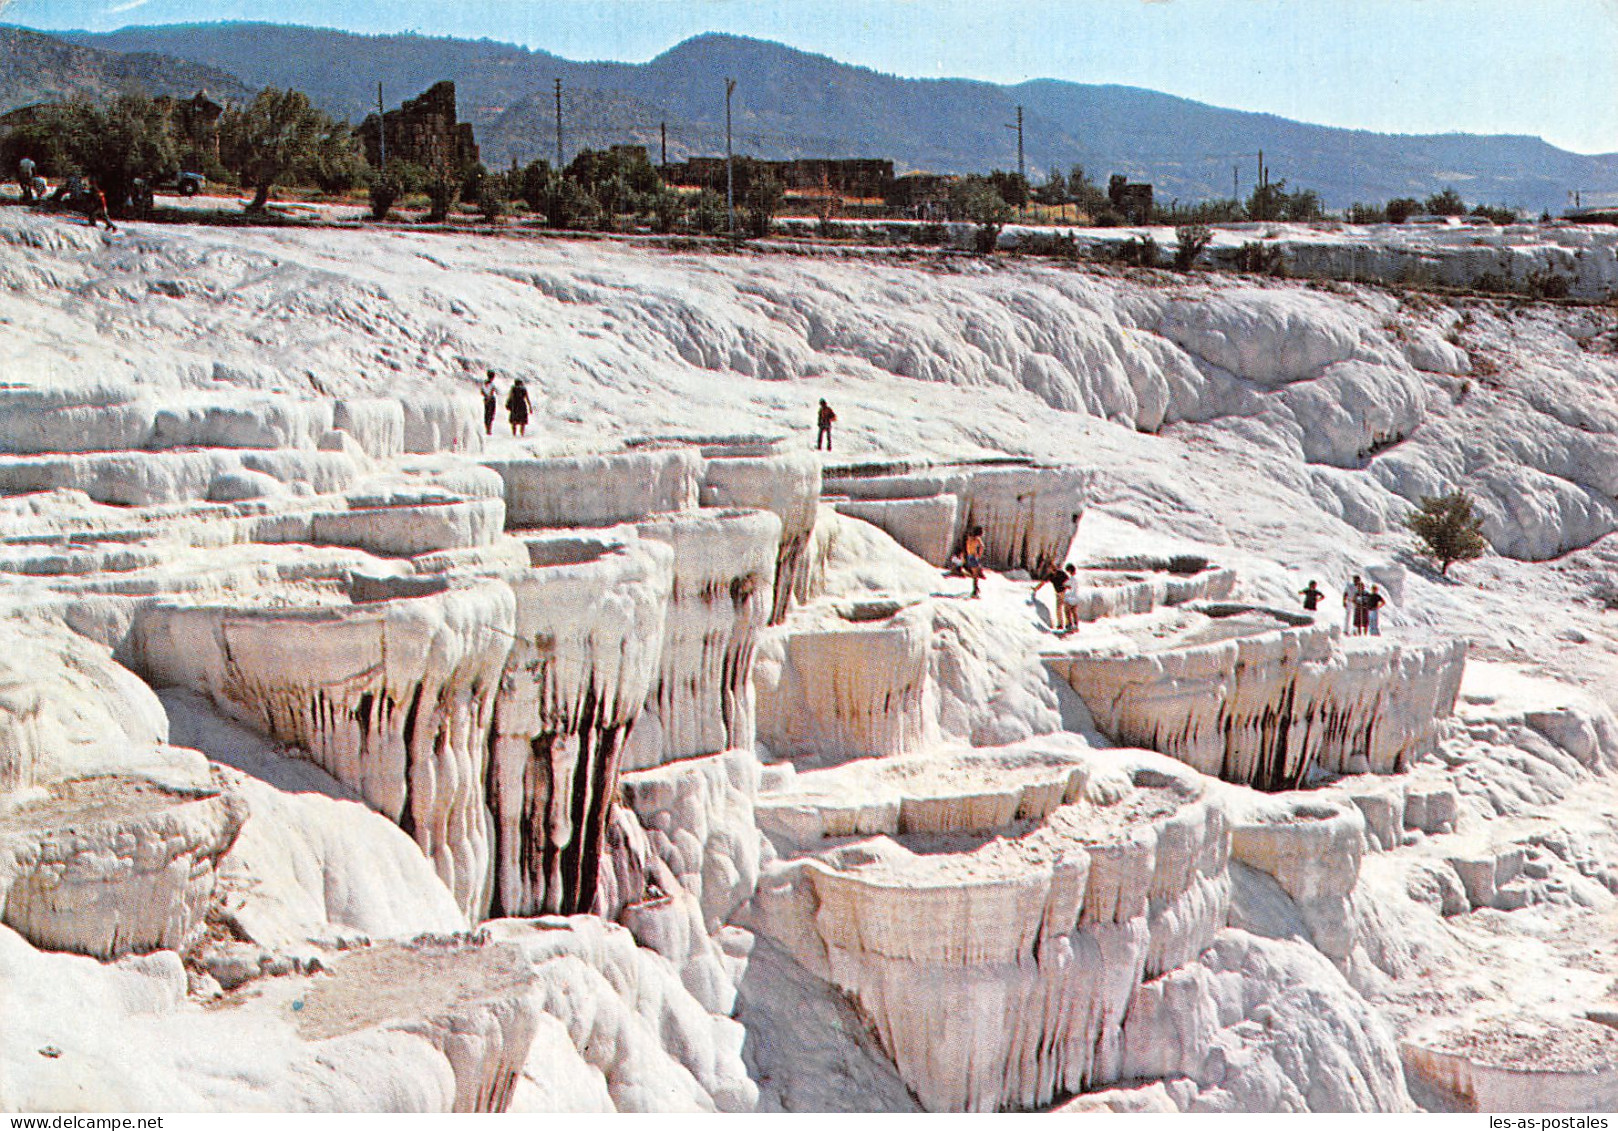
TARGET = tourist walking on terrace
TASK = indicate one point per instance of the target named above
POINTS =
(823, 425)
(518, 406)
(1311, 595)
(491, 401)
(1351, 603)
(95, 207)
(25, 179)
(972, 555)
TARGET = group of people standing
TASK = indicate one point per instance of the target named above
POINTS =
(1362, 607)
(518, 406)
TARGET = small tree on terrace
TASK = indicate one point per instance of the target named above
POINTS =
(280, 136)
(1190, 241)
(976, 199)
(1447, 529)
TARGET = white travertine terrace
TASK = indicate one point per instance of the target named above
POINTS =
(724, 570)
(394, 697)
(1251, 697)
(831, 835)
(847, 680)
(108, 866)
(788, 486)
(1027, 513)
(1059, 877)
(572, 687)
(598, 490)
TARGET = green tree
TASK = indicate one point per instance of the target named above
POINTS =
(1402, 208)
(132, 136)
(1447, 529)
(1446, 203)
(975, 198)
(1012, 187)
(388, 185)
(708, 212)
(763, 200)
(278, 137)
(1190, 241)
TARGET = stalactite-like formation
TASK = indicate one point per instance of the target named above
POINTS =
(1267, 709)
(849, 689)
(1090, 873)
(786, 485)
(393, 697)
(589, 639)
(702, 699)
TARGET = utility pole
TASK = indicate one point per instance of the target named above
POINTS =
(558, 125)
(1021, 176)
(381, 130)
(730, 164)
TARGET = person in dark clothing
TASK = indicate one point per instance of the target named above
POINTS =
(491, 402)
(518, 406)
(824, 423)
(95, 207)
(1311, 595)
(1373, 602)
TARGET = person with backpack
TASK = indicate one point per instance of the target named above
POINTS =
(824, 423)
(518, 406)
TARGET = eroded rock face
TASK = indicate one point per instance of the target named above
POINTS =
(847, 680)
(1060, 879)
(393, 697)
(788, 486)
(1516, 1063)
(109, 866)
(598, 490)
(702, 699)
(1028, 514)
(590, 616)
(1248, 698)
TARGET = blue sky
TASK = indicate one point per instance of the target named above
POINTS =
(1543, 67)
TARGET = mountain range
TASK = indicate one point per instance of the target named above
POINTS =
(44, 68)
(790, 103)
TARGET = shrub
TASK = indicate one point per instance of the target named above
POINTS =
(1257, 258)
(390, 184)
(1367, 214)
(1548, 283)
(1446, 203)
(708, 212)
(1138, 251)
(1402, 208)
(1190, 241)
(1447, 529)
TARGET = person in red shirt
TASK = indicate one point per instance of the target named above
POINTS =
(827, 416)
